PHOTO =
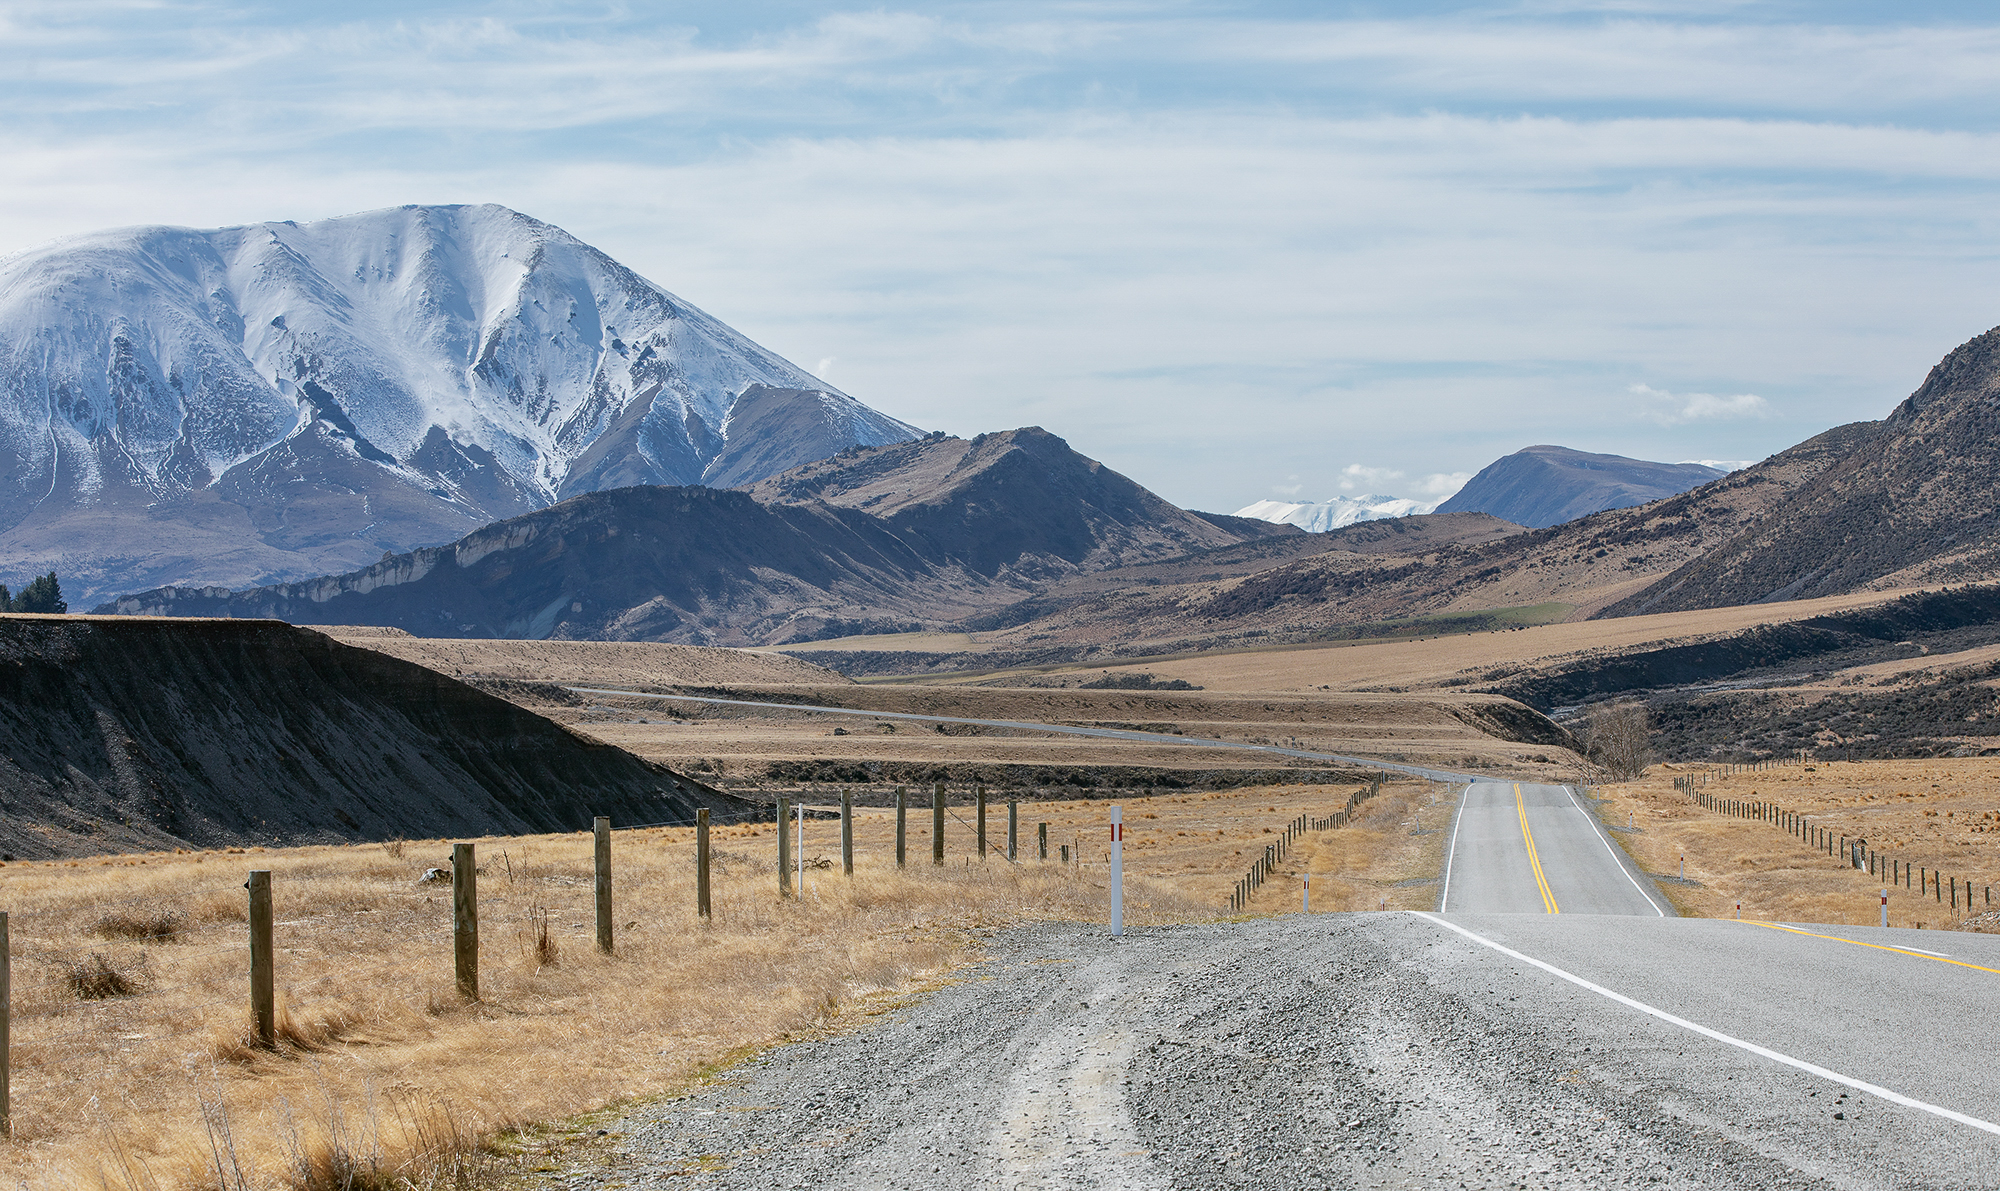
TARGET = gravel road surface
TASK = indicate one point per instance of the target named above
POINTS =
(1519, 848)
(1379, 1050)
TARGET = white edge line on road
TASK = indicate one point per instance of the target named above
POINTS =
(1604, 838)
(1859, 1085)
(1444, 895)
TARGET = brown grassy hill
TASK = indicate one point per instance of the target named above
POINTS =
(122, 734)
(1407, 568)
(1020, 500)
(1913, 501)
(920, 535)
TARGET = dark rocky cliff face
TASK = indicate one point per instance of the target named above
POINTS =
(1543, 486)
(124, 734)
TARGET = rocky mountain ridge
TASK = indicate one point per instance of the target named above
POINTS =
(1545, 485)
(1913, 502)
(914, 535)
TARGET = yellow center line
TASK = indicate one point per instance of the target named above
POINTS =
(1534, 861)
(1875, 946)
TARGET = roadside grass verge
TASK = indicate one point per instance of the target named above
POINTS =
(1937, 814)
(134, 1067)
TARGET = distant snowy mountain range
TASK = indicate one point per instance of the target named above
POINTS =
(1338, 513)
(1536, 486)
(272, 402)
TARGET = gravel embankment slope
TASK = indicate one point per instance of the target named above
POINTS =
(1377, 1050)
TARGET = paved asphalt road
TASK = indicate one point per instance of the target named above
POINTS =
(1498, 1044)
(1526, 849)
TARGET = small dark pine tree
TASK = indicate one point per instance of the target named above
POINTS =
(42, 594)
(6, 599)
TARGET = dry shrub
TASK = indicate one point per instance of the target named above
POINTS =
(541, 939)
(1618, 736)
(146, 926)
(95, 979)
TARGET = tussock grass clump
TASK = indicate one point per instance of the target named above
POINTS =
(146, 926)
(95, 979)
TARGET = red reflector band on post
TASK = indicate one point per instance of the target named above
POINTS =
(1117, 832)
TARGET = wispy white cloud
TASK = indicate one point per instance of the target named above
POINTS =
(1357, 476)
(1390, 481)
(1206, 250)
(1673, 409)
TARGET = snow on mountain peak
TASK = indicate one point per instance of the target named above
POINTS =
(1337, 513)
(468, 355)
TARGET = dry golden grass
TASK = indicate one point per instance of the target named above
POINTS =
(1429, 663)
(1935, 814)
(382, 1068)
(1435, 729)
(1388, 857)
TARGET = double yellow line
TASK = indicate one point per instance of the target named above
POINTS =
(1534, 861)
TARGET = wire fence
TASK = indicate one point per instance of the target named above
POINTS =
(1846, 851)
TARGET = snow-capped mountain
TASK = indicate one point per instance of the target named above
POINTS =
(282, 400)
(1341, 511)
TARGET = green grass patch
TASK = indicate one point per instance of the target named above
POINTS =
(1440, 624)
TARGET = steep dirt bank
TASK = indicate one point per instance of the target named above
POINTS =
(121, 733)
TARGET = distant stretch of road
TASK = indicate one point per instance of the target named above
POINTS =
(1520, 848)
(1436, 775)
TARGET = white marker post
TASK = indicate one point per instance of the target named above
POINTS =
(1117, 870)
(800, 851)
(1309, 892)
(1885, 907)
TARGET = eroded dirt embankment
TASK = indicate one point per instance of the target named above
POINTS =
(122, 734)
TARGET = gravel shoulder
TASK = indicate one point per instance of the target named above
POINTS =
(1365, 1050)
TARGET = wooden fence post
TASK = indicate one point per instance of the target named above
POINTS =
(1013, 826)
(1042, 839)
(979, 796)
(263, 977)
(902, 821)
(465, 919)
(6, 1031)
(847, 832)
(937, 824)
(601, 828)
(784, 847)
(701, 862)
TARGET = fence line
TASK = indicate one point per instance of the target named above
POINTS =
(1849, 852)
(1265, 866)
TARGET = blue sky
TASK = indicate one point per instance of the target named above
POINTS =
(1237, 251)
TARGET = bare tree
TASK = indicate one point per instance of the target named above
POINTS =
(1617, 736)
